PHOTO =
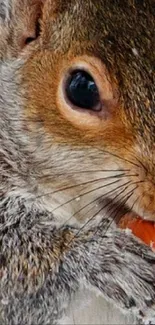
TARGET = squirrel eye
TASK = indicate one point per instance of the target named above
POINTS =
(82, 91)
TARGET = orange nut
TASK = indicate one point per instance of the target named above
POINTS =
(144, 230)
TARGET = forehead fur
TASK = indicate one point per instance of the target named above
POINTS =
(120, 32)
(130, 21)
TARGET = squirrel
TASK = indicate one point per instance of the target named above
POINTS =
(77, 131)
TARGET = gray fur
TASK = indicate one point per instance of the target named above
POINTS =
(5, 13)
(43, 262)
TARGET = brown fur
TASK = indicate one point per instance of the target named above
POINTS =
(66, 175)
(108, 33)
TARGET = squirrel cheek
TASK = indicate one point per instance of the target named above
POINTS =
(97, 116)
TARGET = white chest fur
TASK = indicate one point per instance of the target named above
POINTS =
(88, 308)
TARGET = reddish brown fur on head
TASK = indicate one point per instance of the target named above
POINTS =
(115, 39)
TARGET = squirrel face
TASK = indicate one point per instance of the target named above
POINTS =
(89, 84)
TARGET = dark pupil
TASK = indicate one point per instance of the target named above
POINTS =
(82, 90)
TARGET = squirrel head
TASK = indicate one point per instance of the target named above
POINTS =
(87, 85)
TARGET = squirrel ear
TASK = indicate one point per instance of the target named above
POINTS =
(51, 9)
(25, 24)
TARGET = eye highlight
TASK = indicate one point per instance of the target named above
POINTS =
(81, 90)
